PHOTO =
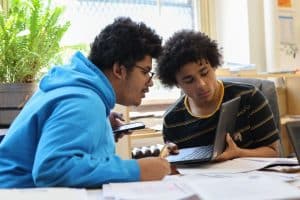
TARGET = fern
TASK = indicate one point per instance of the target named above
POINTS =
(30, 33)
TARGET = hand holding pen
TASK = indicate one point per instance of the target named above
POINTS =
(164, 152)
(167, 149)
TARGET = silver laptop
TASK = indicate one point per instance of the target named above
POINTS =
(226, 124)
(293, 130)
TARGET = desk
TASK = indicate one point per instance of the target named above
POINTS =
(239, 178)
(94, 194)
(97, 194)
(50, 194)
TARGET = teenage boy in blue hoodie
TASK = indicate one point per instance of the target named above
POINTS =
(63, 136)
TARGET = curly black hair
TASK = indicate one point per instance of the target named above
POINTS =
(124, 42)
(183, 47)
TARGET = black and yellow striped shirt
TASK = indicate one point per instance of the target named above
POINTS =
(255, 126)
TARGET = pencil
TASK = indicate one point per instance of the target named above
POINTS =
(164, 152)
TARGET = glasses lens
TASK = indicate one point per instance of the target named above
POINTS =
(151, 74)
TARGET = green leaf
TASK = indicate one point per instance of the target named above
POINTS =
(30, 33)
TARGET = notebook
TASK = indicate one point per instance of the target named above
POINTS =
(226, 124)
(293, 130)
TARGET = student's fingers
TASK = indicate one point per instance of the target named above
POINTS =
(129, 132)
(231, 145)
(164, 152)
(121, 135)
(173, 148)
(115, 119)
(174, 170)
(229, 140)
(118, 116)
(221, 157)
(228, 153)
(118, 136)
(153, 168)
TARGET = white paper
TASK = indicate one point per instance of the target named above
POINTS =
(243, 187)
(287, 34)
(237, 165)
(285, 177)
(107, 192)
(43, 194)
(252, 185)
(95, 194)
(273, 161)
(150, 190)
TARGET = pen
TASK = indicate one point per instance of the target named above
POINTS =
(164, 152)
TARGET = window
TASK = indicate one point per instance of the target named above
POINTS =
(233, 34)
(88, 17)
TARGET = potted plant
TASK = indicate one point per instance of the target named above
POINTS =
(30, 33)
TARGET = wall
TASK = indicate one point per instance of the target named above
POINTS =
(232, 30)
(256, 34)
(293, 95)
(249, 32)
(288, 61)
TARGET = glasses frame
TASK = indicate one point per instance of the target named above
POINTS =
(150, 73)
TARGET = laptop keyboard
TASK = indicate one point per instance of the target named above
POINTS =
(193, 153)
(203, 152)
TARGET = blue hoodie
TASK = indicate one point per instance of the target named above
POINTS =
(63, 136)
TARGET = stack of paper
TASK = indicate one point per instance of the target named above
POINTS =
(196, 187)
(167, 190)
(242, 186)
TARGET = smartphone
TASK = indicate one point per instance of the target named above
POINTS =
(128, 127)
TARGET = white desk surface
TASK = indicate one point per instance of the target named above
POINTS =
(95, 194)
(51, 193)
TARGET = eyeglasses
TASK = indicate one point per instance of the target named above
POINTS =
(145, 71)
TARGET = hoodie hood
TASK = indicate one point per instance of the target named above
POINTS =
(80, 73)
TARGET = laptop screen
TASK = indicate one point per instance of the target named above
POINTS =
(226, 124)
(293, 129)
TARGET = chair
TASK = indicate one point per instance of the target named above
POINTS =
(267, 87)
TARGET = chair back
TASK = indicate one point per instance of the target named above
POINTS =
(268, 88)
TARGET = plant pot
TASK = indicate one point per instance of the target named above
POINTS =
(13, 98)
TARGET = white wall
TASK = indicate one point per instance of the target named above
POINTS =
(256, 34)
(249, 32)
(232, 30)
(271, 35)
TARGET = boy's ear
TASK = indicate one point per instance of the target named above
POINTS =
(119, 70)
